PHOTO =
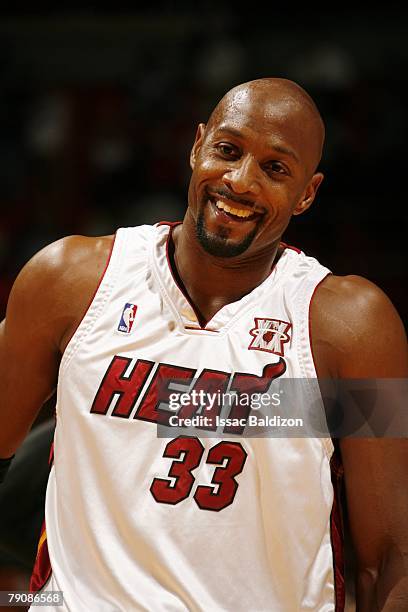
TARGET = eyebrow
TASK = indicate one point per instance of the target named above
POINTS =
(276, 148)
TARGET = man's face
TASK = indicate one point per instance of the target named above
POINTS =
(252, 170)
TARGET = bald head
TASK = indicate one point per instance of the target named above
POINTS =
(280, 99)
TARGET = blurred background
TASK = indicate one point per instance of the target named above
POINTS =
(98, 111)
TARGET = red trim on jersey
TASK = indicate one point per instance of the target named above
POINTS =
(336, 532)
(42, 566)
(289, 246)
(170, 223)
(96, 290)
(51, 456)
(177, 279)
(176, 276)
(216, 331)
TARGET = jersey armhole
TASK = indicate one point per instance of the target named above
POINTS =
(96, 303)
(305, 348)
(328, 443)
(304, 300)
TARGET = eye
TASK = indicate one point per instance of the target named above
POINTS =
(228, 150)
(275, 167)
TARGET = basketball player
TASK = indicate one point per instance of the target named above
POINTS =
(135, 521)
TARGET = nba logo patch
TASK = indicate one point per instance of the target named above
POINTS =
(127, 318)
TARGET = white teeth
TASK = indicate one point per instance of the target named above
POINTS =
(233, 211)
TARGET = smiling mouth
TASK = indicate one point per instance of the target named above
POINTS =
(234, 212)
(231, 210)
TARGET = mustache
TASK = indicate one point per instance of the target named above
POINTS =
(225, 193)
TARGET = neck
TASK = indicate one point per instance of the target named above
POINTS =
(213, 282)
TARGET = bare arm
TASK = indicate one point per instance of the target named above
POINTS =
(47, 302)
(358, 334)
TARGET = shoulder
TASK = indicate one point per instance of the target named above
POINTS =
(349, 299)
(356, 330)
(62, 265)
(58, 282)
(68, 253)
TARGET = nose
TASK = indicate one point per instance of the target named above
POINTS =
(243, 176)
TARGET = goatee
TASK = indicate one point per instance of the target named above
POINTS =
(219, 244)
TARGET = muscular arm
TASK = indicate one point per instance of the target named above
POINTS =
(358, 334)
(47, 302)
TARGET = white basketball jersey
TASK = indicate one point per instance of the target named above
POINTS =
(135, 521)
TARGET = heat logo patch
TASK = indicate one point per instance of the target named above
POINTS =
(269, 335)
(127, 318)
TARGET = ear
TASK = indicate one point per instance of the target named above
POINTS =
(309, 194)
(197, 144)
